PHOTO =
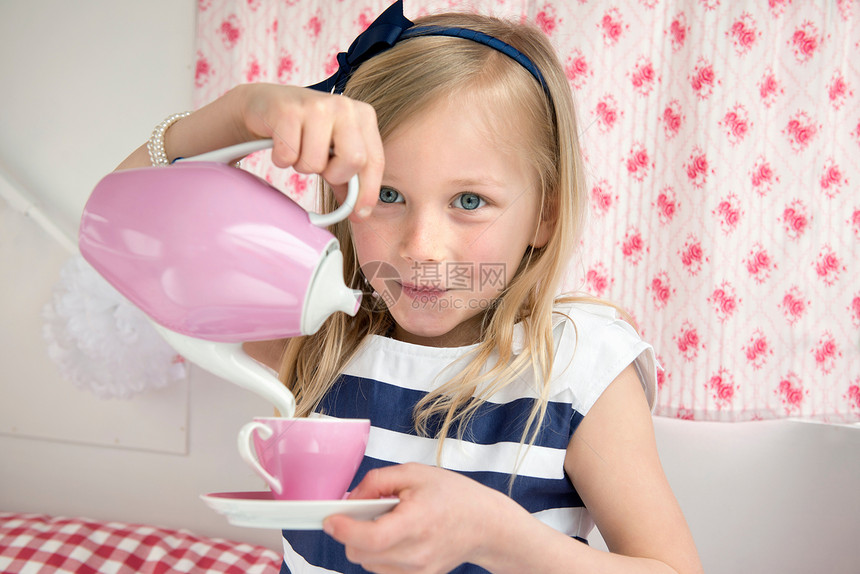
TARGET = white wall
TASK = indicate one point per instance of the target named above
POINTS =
(82, 84)
(778, 497)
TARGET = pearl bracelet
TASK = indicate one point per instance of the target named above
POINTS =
(155, 145)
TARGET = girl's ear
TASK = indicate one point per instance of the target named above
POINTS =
(546, 226)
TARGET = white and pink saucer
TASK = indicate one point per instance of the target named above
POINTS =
(261, 510)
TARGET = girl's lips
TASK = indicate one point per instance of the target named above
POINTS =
(422, 290)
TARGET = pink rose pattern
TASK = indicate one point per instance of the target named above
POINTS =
(832, 179)
(607, 113)
(826, 352)
(838, 90)
(672, 119)
(800, 130)
(762, 178)
(759, 263)
(728, 213)
(854, 310)
(598, 280)
(853, 395)
(661, 290)
(643, 77)
(769, 88)
(602, 198)
(724, 301)
(697, 168)
(702, 79)
(757, 350)
(678, 30)
(795, 219)
(638, 162)
(612, 26)
(736, 124)
(791, 393)
(666, 205)
(828, 266)
(633, 246)
(577, 69)
(722, 388)
(743, 33)
(793, 305)
(687, 341)
(722, 171)
(691, 255)
(805, 42)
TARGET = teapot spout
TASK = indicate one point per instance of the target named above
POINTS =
(327, 293)
(229, 361)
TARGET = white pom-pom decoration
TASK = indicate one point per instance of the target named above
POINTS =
(103, 343)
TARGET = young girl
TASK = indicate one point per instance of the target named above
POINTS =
(507, 421)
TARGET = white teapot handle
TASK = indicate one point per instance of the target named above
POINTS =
(228, 154)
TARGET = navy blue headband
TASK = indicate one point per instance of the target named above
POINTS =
(392, 26)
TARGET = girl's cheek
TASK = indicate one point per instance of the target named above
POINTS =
(370, 239)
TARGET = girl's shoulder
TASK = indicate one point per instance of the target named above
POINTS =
(592, 346)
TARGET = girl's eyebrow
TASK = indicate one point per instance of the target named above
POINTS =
(483, 181)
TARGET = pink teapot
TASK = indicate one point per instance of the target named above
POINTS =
(216, 256)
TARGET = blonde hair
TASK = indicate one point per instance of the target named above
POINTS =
(402, 82)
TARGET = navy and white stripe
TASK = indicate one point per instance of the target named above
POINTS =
(388, 377)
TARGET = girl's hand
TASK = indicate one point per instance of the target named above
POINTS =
(444, 519)
(315, 132)
(312, 132)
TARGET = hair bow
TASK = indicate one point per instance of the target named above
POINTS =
(392, 26)
(378, 37)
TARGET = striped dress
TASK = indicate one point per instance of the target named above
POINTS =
(388, 377)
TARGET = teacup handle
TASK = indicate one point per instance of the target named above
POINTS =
(229, 154)
(246, 451)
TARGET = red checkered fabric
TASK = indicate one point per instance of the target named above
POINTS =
(36, 543)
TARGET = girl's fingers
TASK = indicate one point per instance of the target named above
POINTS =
(357, 148)
(382, 482)
(365, 537)
(286, 143)
(370, 173)
(330, 135)
(317, 140)
(348, 153)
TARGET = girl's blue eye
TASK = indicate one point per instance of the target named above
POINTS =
(470, 201)
(389, 195)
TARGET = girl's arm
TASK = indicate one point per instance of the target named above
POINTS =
(613, 462)
(313, 132)
(445, 519)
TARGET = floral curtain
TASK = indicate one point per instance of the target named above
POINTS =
(722, 143)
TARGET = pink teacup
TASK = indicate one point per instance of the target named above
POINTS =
(305, 458)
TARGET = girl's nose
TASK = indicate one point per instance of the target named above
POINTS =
(422, 237)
